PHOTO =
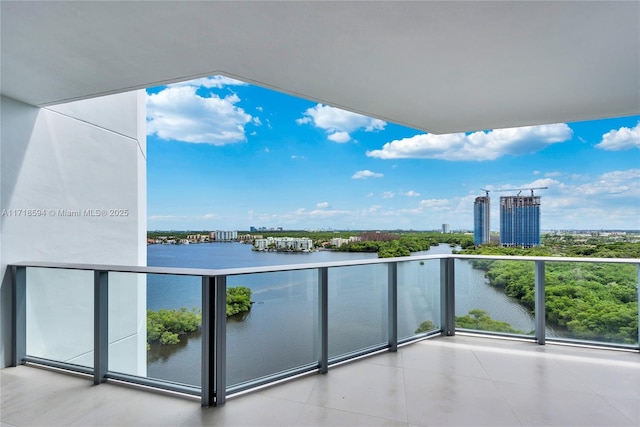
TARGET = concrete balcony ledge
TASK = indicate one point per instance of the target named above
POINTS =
(446, 381)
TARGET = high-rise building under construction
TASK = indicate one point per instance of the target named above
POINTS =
(481, 222)
(520, 221)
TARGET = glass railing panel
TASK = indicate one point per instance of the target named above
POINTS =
(495, 296)
(592, 301)
(59, 308)
(173, 307)
(357, 308)
(279, 332)
(418, 297)
(127, 323)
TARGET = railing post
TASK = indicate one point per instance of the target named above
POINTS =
(207, 396)
(323, 320)
(100, 326)
(19, 315)
(447, 296)
(539, 302)
(220, 350)
(214, 341)
(392, 309)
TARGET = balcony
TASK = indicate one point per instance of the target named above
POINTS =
(441, 375)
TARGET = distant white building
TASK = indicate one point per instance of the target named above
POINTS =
(295, 244)
(261, 244)
(225, 236)
(339, 241)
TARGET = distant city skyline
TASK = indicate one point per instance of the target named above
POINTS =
(222, 154)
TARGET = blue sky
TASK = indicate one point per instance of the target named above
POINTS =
(222, 154)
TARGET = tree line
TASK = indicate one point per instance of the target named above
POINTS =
(405, 243)
(590, 301)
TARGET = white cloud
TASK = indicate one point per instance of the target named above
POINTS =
(322, 205)
(542, 182)
(387, 195)
(210, 82)
(178, 113)
(475, 146)
(256, 121)
(609, 200)
(366, 174)
(621, 139)
(536, 172)
(339, 137)
(615, 183)
(552, 174)
(339, 123)
(435, 204)
(411, 193)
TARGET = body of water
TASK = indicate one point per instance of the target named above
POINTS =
(280, 331)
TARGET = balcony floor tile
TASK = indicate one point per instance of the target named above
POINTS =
(250, 410)
(41, 397)
(298, 390)
(561, 408)
(319, 416)
(363, 387)
(443, 356)
(446, 381)
(447, 399)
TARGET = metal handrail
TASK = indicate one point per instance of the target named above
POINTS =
(209, 272)
(213, 388)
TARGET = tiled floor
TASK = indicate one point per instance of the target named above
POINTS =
(453, 381)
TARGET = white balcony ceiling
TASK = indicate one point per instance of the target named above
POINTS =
(437, 66)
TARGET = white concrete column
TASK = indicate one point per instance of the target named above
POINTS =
(73, 189)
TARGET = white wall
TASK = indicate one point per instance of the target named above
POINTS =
(85, 155)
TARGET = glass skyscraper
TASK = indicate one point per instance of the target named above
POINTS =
(520, 221)
(481, 223)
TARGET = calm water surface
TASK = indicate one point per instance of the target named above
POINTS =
(280, 331)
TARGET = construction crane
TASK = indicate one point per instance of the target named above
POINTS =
(519, 190)
(486, 191)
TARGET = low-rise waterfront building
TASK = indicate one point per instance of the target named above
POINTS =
(198, 238)
(284, 244)
(224, 236)
(339, 241)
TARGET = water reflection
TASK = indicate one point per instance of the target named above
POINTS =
(280, 331)
(160, 353)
